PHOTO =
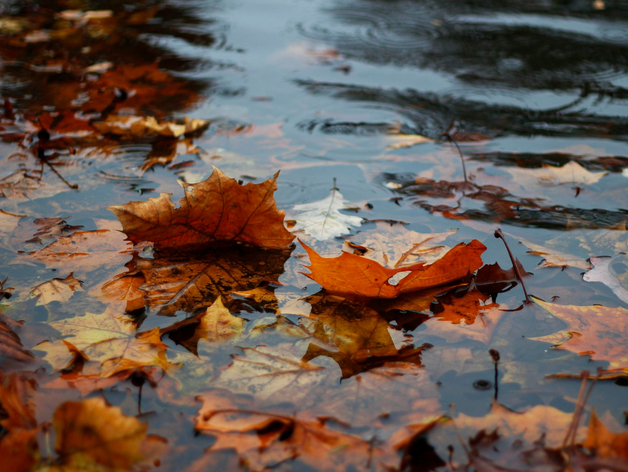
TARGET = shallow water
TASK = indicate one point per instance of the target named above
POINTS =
(316, 89)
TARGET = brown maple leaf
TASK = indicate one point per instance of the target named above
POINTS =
(592, 330)
(352, 275)
(603, 443)
(217, 210)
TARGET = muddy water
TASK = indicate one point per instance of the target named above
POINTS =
(321, 90)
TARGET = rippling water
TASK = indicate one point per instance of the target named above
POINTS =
(321, 89)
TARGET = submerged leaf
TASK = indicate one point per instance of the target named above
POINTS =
(611, 271)
(592, 330)
(138, 126)
(57, 290)
(322, 219)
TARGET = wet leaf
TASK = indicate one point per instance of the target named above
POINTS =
(322, 219)
(570, 173)
(263, 439)
(611, 271)
(217, 210)
(57, 290)
(137, 126)
(603, 443)
(91, 434)
(596, 331)
(394, 246)
(354, 275)
(11, 348)
(213, 325)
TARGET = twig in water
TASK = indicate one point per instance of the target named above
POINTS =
(447, 134)
(499, 234)
(495, 355)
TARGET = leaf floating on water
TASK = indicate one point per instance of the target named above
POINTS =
(352, 275)
(570, 173)
(57, 290)
(592, 330)
(93, 436)
(322, 219)
(138, 126)
(217, 210)
(611, 271)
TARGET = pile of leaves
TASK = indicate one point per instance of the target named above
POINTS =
(179, 337)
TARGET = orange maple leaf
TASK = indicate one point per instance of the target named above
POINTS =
(349, 274)
(214, 211)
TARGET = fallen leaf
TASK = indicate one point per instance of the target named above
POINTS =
(109, 340)
(354, 275)
(11, 348)
(91, 434)
(264, 440)
(213, 325)
(57, 290)
(554, 258)
(398, 140)
(322, 219)
(539, 421)
(611, 271)
(394, 246)
(592, 330)
(138, 126)
(605, 444)
(213, 211)
(570, 173)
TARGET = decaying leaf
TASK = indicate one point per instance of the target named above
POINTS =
(349, 274)
(57, 290)
(137, 126)
(611, 271)
(592, 330)
(398, 140)
(555, 258)
(322, 219)
(217, 210)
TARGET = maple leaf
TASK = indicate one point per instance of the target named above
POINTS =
(352, 275)
(193, 281)
(322, 219)
(57, 290)
(604, 270)
(215, 324)
(109, 340)
(592, 330)
(217, 210)
(92, 434)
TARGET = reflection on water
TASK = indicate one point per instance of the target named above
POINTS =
(326, 91)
